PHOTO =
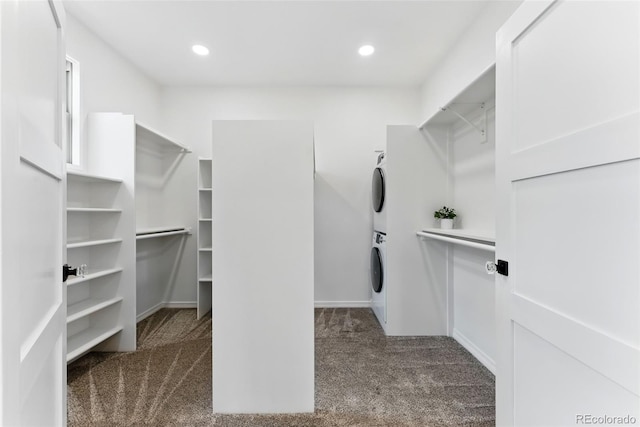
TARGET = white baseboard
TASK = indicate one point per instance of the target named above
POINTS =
(170, 304)
(475, 351)
(343, 304)
(180, 304)
(193, 304)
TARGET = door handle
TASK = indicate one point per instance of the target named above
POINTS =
(67, 271)
(501, 267)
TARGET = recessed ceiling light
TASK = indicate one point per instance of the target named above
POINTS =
(198, 49)
(366, 50)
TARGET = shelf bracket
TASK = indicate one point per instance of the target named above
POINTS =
(481, 130)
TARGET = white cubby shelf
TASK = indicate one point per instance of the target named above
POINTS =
(90, 178)
(90, 243)
(73, 280)
(84, 341)
(89, 306)
(93, 210)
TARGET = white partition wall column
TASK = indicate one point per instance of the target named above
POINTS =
(263, 329)
(417, 294)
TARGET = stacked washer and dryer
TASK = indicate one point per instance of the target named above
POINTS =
(378, 249)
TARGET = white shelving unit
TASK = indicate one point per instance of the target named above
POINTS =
(98, 237)
(205, 251)
(162, 230)
(464, 131)
(135, 221)
(145, 132)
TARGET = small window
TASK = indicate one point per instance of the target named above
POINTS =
(72, 112)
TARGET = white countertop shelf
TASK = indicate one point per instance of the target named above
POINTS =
(90, 178)
(94, 210)
(150, 233)
(478, 239)
(84, 341)
(89, 306)
(92, 243)
(92, 275)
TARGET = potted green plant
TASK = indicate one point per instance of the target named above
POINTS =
(445, 215)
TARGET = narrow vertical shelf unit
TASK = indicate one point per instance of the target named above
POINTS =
(97, 210)
(205, 253)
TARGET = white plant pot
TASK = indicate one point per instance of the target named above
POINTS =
(446, 223)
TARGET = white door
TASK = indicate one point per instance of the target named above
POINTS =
(32, 307)
(568, 176)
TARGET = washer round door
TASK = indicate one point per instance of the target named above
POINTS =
(377, 276)
(377, 188)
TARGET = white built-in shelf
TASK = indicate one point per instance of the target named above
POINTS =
(84, 341)
(205, 249)
(89, 306)
(92, 243)
(207, 278)
(90, 178)
(205, 219)
(204, 189)
(481, 90)
(472, 238)
(94, 210)
(161, 139)
(151, 233)
(93, 275)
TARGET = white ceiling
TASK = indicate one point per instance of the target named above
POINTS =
(278, 43)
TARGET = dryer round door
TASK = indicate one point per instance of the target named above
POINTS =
(377, 276)
(377, 189)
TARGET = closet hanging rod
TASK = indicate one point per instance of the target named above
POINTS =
(152, 233)
(472, 243)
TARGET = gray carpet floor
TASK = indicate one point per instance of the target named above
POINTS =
(363, 378)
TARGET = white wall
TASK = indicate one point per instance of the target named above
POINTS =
(474, 52)
(472, 172)
(350, 123)
(108, 82)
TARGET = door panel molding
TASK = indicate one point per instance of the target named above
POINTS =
(42, 160)
(36, 350)
(576, 339)
(580, 149)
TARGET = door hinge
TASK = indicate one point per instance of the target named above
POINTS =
(502, 267)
